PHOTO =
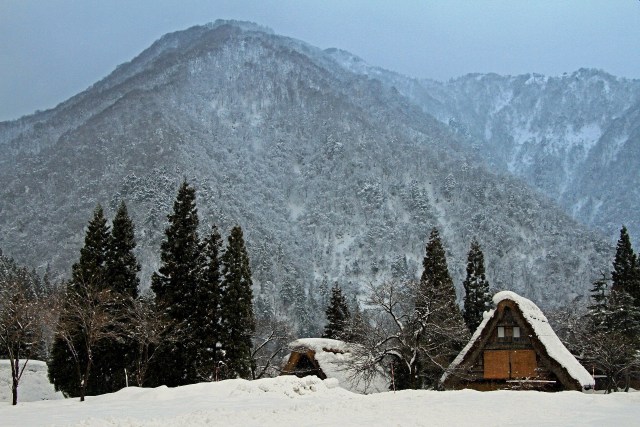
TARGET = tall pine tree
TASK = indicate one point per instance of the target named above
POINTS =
(624, 301)
(236, 307)
(206, 322)
(113, 357)
(442, 330)
(88, 273)
(91, 268)
(626, 271)
(477, 298)
(122, 265)
(436, 290)
(175, 286)
(338, 315)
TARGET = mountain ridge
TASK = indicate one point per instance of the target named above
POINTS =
(309, 158)
(554, 132)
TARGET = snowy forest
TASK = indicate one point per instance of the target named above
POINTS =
(200, 320)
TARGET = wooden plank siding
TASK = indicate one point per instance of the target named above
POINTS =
(496, 364)
(523, 364)
(509, 364)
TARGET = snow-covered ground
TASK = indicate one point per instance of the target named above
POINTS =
(291, 401)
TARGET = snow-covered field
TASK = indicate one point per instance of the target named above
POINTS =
(291, 401)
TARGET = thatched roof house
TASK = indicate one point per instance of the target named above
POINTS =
(327, 358)
(515, 348)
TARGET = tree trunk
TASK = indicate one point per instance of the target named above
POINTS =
(627, 382)
(15, 366)
(14, 392)
(413, 377)
(83, 384)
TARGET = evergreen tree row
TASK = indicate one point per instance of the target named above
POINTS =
(198, 327)
(206, 295)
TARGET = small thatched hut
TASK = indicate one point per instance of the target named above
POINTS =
(515, 348)
(327, 358)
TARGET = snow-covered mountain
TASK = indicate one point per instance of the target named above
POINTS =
(575, 137)
(334, 175)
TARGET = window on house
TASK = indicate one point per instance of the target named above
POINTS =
(516, 332)
(500, 331)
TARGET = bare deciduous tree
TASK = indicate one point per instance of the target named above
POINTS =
(269, 342)
(21, 315)
(86, 319)
(148, 329)
(419, 343)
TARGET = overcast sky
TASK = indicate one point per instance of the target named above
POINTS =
(53, 49)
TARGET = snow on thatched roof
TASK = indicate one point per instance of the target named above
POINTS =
(333, 357)
(544, 333)
(555, 349)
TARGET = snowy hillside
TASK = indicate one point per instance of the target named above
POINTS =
(558, 133)
(332, 175)
(576, 138)
(291, 401)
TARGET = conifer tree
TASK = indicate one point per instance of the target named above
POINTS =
(477, 298)
(175, 286)
(88, 275)
(436, 286)
(442, 329)
(113, 357)
(611, 335)
(91, 268)
(122, 266)
(624, 301)
(236, 307)
(206, 322)
(626, 271)
(338, 315)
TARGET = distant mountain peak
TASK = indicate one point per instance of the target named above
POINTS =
(243, 25)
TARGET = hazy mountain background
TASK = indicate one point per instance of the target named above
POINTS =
(336, 170)
(575, 138)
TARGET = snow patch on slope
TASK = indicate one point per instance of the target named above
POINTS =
(33, 386)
